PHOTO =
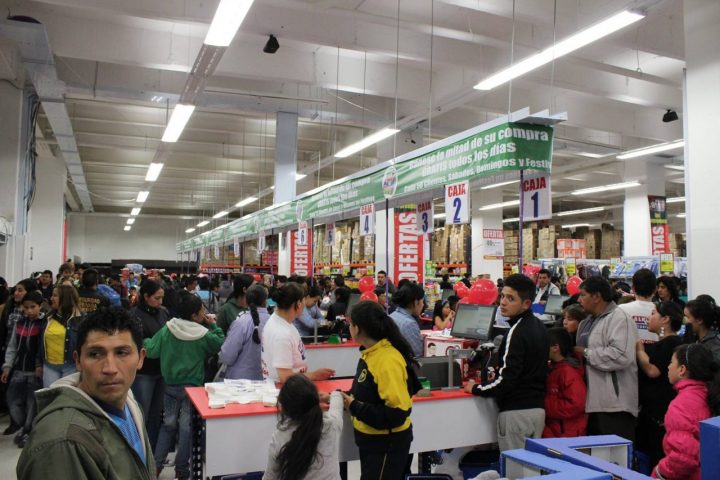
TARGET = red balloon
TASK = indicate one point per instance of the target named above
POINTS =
(366, 284)
(483, 292)
(459, 285)
(369, 296)
(257, 277)
(463, 291)
(573, 285)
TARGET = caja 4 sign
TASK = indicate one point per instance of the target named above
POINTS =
(367, 220)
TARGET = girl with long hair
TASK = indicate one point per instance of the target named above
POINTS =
(236, 304)
(704, 319)
(59, 337)
(305, 444)
(381, 397)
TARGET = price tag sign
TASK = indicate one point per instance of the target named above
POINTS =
(457, 203)
(537, 203)
(367, 220)
(425, 215)
(330, 235)
(236, 247)
(570, 266)
(261, 242)
(302, 238)
(217, 251)
(667, 263)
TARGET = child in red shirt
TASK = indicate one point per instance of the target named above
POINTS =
(566, 391)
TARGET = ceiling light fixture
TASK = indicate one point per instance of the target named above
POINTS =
(376, 137)
(154, 171)
(135, 212)
(221, 214)
(563, 47)
(590, 154)
(614, 186)
(511, 220)
(675, 200)
(493, 206)
(501, 184)
(127, 228)
(680, 215)
(226, 22)
(576, 225)
(178, 120)
(190, 230)
(680, 168)
(130, 221)
(300, 176)
(142, 196)
(661, 147)
(272, 45)
(579, 212)
(203, 223)
(670, 116)
(247, 201)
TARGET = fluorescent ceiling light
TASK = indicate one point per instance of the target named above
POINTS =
(178, 120)
(493, 206)
(576, 225)
(127, 228)
(680, 168)
(675, 200)
(135, 211)
(272, 187)
(142, 196)
(680, 215)
(300, 176)
(590, 154)
(579, 212)
(563, 47)
(661, 147)
(226, 22)
(130, 221)
(247, 201)
(376, 137)
(221, 214)
(203, 223)
(614, 186)
(154, 172)
(190, 230)
(511, 220)
(501, 184)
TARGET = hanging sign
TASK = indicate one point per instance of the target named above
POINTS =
(367, 220)
(570, 267)
(425, 215)
(302, 234)
(457, 203)
(408, 261)
(236, 247)
(330, 235)
(659, 231)
(261, 242)
(493, 244)
(667, 263)
(216, 253)
(300, 262)
(537, 198)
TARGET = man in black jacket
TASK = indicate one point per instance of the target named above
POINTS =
(519, 386)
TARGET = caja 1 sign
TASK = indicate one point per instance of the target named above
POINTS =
(537, 203)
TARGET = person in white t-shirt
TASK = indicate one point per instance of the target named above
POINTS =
(643, 285)
(283, 353)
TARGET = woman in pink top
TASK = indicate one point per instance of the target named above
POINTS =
(694, 375)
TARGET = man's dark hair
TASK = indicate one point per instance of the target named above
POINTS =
(599, 285)
(339, 281)
(544, 271)
(35, 297)
(110, 320)
(523, 285)
(190, 280)
(89, 278)
(189, 305)
(65, 267)
(383, 272)
(644, 282)
(48, 272)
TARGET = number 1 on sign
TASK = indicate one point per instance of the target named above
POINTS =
(536, 206)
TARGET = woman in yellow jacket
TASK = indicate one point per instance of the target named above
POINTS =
(380, 401)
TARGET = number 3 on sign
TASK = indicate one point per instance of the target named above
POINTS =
(425, 217)
(367, 220)
(457, 204)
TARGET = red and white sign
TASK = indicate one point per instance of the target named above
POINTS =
(367, 220)
(425, 215)
(300, 261)
(493, 244)
(537, 198)
(302, 233)
(408, 261)
(660, 238)
(457, 203)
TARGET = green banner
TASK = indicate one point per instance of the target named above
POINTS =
(505, 148)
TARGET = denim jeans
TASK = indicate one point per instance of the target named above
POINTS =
(177, 419)
(149, 391)
(21, 398)
(53, 373)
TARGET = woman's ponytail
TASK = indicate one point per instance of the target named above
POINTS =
(374, 322)
(256, 296)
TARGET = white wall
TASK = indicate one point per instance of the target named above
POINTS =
(45, 235)
(100, 239)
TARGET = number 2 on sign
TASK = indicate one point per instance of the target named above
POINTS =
(457, 203)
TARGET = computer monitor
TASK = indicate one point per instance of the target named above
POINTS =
(354, 300)
(473, 321)
(500, 321)
(435, 369)
(554, 304)
(447, 293)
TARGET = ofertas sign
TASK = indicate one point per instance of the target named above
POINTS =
(425, 213)
(330, 235)
(367, 220)
(300, 263)
(408, 261)
(537, 203)
(658, 225)
(302, 237)
(457, 208)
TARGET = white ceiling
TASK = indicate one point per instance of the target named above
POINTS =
(346, 68)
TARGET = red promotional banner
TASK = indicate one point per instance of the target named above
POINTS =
(659, 231)
(300, 261)
(408, 260)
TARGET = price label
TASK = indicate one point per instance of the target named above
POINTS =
(667, 263)
(367, 220)
(537, 203)
(261, 242)
(217, 250)
(302, 238)
(236, 247)
(425, 215)
(457, 205)
(570, 267)
(330, 235)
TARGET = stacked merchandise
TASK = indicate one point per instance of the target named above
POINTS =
(440, 240)
(459, 242)
(611, 242)
(547, 238)
(321, 252)
(677, 244)
(511, 246)
(530, 243)
(432, 293)
(250, 253)
(367, 249)
(571, 248)
(593, 241)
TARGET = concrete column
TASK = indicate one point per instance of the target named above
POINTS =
(636, 231)
(47, 215)
(13, 115)
(285, 156)
(702, 106)
(489, 219)
(284, 240)
(385, 231)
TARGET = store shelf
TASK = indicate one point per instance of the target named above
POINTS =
(451, 265)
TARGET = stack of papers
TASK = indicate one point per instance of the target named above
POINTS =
(224, 393)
